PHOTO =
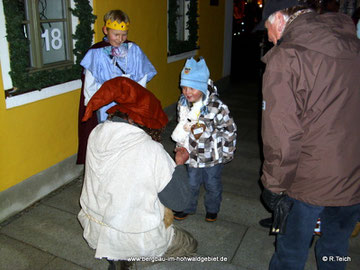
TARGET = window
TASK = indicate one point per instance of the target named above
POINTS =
(182, 27)
(181, 32)
(39, 35)
(47, 27)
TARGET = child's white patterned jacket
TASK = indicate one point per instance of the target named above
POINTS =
(218, 142)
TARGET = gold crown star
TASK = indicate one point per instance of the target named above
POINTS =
(117, 26)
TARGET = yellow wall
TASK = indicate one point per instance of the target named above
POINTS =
(36, 136)
(211, 36)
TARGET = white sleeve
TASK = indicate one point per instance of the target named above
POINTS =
(180, 135)
(143, 81)
(90, 86)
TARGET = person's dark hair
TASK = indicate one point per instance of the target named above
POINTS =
(155, 134)
(116, 15)
(119, 114)
(329, 6)
(304, 4)
(293, 10)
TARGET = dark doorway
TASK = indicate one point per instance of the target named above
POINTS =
(247, 45)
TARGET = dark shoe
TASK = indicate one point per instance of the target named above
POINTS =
(211, 217)
(180, 215)
(119, 265)
(124, 265)
(111, 265)
(266, 222)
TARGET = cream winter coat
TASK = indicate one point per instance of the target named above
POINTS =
(121, 213)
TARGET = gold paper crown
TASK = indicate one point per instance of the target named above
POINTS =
(117, 26)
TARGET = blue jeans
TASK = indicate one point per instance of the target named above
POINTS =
(211, 177)
(337, 224)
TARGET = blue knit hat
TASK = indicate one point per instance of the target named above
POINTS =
(195, 75)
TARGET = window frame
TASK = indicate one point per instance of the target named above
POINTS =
(34, 22)
(48, 77)
(181, 49)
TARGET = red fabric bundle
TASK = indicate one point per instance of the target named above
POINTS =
(136, 101)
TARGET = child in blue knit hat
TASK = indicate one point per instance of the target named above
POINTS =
(207, 132)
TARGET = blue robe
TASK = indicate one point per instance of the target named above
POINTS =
(102, 64)
(99, 61)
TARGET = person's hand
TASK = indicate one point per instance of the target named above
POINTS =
(281, 205)
(271, 199)
(181, 155)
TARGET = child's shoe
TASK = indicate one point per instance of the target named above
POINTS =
(211, 217)
(180, 215)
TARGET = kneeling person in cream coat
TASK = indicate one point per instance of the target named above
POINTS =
(130, 180)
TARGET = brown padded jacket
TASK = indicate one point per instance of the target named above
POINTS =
(311, 111)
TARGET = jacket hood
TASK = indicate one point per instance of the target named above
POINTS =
(332, 34)
(111, 140)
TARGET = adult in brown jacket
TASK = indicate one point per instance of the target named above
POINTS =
(311, 132)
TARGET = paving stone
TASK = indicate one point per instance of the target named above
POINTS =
(354, 264)
(60, 264)
(241, 210)
(248, 148)
(251, 135)
(245, 169)
(244, 189)
(255, 251)
(241, 177)
(220, 238)
(354, 243)
(56, 232)
(67, 199)
(244, 163)
(241, 133)
(15, 255)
